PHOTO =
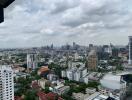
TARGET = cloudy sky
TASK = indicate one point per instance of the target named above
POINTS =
(42, 22)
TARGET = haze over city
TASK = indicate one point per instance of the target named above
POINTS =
(30, 23)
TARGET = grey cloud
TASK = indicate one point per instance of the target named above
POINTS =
(63, 5)
(34, 22)
(107, 12)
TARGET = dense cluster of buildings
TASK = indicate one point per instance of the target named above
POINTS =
(75, 73)
(81, 74)
(79, 64)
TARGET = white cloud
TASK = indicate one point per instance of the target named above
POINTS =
(62, 21)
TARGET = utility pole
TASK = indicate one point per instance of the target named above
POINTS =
(4, 4)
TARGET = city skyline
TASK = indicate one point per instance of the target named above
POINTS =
(64, 21)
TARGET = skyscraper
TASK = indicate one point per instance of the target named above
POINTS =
(31, 61)
(92, 60)
(130, 50)
(6, 83)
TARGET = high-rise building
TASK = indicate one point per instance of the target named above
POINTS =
(92, 60)
(91, 47)
(6, 83)
(130, 50)
(32, 61)
(115, 52)
(107, 49)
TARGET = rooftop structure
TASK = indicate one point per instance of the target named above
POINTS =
(43, 70)
(112, 81)
(94, 96)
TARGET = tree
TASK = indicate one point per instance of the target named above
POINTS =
(30, 95)
(46, 90)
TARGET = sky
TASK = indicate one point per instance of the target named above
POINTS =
(31, 23)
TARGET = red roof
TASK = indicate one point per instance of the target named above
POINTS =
(42, 95)
(60, 98)
(51, 96)
(18, 98)
(48, 96)
(35, 85)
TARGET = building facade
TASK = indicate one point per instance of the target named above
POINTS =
(130, 50)
(32, 61)
(92, 60)
(6, 83)
(76, 74)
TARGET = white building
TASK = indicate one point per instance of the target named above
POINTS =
(52, 77)
(85, 79)
(32, 61)
(90, 90)
(76, 56)
(112, 81)
(114, 86)
(83, 71)
(6, 83)
(70, 74)
(63, 73)
(108, 49)
(42, 83)
(60, 89)
(76, 74)
(94, 96)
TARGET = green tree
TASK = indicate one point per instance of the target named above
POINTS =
(46, 90)
(30, 95)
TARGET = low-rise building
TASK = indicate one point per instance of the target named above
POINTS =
(21, 75)
(44, 71)
(41, 83)
(94, 96)
(52, 77)
(60, 89)
(49, 96)
(17, 69)
(76, 74)
(90, 90)
(63, 74)
(113, 86)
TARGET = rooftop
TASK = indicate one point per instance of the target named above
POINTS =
(5, 67)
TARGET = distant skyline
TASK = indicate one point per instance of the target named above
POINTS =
(34, 23)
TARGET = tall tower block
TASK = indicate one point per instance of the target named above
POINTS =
(130, 51)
